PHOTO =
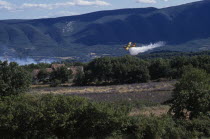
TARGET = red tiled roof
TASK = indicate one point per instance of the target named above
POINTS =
(56, 66)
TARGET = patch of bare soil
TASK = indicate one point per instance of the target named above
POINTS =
(155, 110)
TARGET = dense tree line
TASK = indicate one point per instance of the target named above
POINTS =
(115, 70)
(128, 69)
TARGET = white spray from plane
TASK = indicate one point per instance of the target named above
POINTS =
(144, 48)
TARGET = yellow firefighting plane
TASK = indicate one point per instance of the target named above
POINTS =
(129, 45)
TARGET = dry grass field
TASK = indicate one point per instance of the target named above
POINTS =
(153, 110)
(152, 91)
(145, 98)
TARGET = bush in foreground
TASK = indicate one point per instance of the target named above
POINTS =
(58, 116)
(49, 116)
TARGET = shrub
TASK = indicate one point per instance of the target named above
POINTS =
(156, 127)
(62, 74)
(79, 79)
(50, 116)
(13, 79)
(191, 94)
(55, 83)
(43, 76)
(198, 127)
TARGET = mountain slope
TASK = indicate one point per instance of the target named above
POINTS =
(174, 25)
(105, 31)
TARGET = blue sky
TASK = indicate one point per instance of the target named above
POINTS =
(28, 9)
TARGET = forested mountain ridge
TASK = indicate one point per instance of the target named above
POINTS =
(104, 31)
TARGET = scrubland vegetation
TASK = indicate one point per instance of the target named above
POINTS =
(26, 115)
(128, 69)
(49, 116)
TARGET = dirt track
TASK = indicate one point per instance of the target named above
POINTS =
(154, 91)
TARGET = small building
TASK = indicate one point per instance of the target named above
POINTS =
(56, 66)
(49, 70)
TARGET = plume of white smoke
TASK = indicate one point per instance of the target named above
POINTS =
(144, 48)
(26, 60)
(22, 61)
(10, 55)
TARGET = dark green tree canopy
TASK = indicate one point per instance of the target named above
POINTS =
(62, 74)
(116, 70)
(43, 75)
(159, 68)
(13, 79)
(191, 95)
